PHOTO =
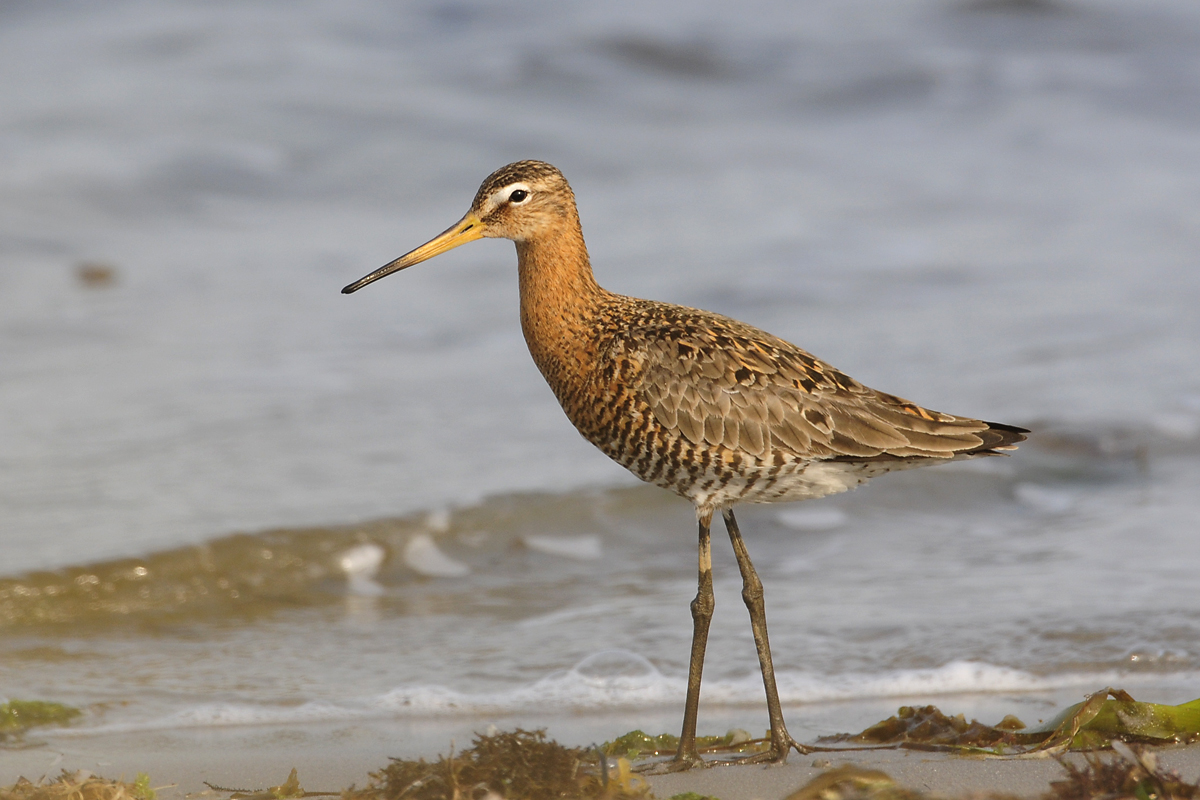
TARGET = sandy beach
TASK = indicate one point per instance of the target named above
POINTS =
(331, 758)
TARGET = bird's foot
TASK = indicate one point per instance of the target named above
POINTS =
(776, 754)
(790, 744)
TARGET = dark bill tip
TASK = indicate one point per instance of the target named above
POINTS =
(467, 229)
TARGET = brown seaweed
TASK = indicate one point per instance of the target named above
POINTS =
(518, 764)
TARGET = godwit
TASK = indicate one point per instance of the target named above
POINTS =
(713, 409)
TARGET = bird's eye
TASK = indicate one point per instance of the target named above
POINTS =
(518, 196)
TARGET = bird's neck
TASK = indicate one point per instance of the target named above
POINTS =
(559, 302)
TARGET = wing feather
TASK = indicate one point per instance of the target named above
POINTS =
(689, 426)
(752, 437)
(714, 428)
(721, 382)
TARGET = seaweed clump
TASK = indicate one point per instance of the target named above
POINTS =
(929, 725)
(81, 785)
(1135, 775)
(518, 764)
(1103, 718)
(638, 744)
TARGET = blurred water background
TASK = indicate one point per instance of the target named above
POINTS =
(229, 494)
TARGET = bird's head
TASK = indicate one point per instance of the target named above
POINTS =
(516, 202)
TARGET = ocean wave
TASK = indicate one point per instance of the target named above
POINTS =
(615, 680)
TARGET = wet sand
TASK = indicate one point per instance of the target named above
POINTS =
(333, 757)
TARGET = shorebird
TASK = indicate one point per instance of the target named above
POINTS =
(710, 408)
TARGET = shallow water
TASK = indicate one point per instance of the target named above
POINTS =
(1015, 576)
(987, 207)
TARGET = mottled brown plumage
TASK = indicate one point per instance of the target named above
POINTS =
(708, 407)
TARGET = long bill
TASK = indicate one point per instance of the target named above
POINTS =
(467, 229)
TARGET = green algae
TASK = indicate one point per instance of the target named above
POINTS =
(1113, 714)
(142, 789)
(18, 716)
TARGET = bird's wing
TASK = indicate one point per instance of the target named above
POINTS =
(721, 382)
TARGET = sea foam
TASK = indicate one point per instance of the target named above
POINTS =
(613, 680)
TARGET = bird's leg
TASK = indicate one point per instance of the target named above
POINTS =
(752, 593)
(702, 611)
